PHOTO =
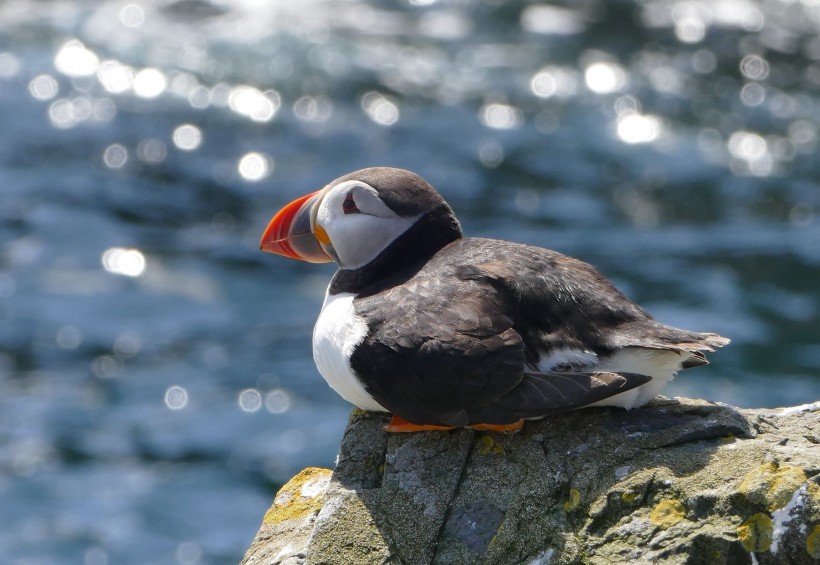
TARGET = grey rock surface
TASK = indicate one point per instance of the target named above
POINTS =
(677, 481)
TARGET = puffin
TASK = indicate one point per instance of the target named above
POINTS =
(444, 331)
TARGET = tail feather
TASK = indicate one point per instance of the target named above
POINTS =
(654, 335)
(703, 342)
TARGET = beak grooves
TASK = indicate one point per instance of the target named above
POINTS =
(289, 233)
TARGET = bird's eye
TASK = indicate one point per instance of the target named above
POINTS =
(349, 205)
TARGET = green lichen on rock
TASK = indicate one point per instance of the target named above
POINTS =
(684, 481)
(487, 445)
(573, 500)
(630, 497)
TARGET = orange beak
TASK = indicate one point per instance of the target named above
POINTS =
(290, 232)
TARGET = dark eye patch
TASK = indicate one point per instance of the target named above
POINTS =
(349, 205)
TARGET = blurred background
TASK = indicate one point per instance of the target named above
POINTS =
(156, 380)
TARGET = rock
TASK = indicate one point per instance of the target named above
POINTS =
(288, 524)
(677, 481)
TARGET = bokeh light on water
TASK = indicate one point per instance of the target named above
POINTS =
(254, 166)
(128, 262)
(187, 137)
(73, 59)
(155, 367)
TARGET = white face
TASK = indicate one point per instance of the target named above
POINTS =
(358, 224)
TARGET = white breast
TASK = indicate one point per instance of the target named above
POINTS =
(337, 333)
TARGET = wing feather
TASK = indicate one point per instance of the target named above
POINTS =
(545, 394)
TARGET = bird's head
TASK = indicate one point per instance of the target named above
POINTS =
(356, 217)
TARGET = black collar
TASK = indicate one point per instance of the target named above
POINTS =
(402, 258)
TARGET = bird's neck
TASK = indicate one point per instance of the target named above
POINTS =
(403, 257)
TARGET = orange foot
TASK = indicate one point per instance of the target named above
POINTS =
(400, 425)
(501, 428)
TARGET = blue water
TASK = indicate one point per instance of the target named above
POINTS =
(156, 382)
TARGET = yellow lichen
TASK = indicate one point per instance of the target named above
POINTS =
(667, 513)
(300, 496)
(756, 533)
(573, 500)
(488, 445)
(813, 543)
(772, 485)
(814, 492)
(629, 497)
